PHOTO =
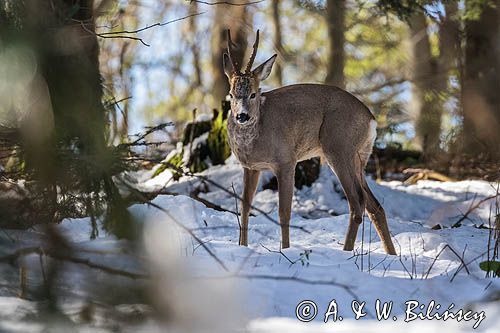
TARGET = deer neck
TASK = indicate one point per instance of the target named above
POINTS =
(244, 136)
(242, 139)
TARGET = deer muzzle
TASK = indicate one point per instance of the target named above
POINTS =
(242, 117)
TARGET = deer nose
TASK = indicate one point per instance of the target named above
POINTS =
(242, 117)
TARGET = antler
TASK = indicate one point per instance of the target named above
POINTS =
(254, 53)
(230, 51)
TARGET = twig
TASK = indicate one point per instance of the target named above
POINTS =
(362, 240)
(191, 135)
(447, 246)
(200, 244)
(462, 260)
(114, 101)
(159, 24)
(236, 205)
(380, 262)
(182, 226)
(378, 87)
(120, 34)
(472, 208)
(404, 266)
(281, 253)
(8, 236)
(347, 288)
(419, 174)
(207, 203)
(104, 36)
(149, 131)
(10, 258)
(226, 3)
(205, 247)
(191, 174)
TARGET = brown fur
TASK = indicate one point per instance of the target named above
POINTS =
(294, 123)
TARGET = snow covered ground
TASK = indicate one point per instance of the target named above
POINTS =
(258, 289)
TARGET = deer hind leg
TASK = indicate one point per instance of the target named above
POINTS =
(345, 170)
(374, 209)
(377, 216)
(250, 182)
(285, 175)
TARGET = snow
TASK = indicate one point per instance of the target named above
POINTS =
(257, 288)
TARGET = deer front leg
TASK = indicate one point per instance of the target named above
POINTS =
(250, 181)
(286, 179)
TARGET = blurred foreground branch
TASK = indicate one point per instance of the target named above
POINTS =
(42, 251)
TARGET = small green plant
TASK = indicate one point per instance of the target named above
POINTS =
(304, 257)
(173, 162)
(213, 150)
(218, 146)
(491, 266)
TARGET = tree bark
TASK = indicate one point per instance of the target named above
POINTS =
(335, 16)
(425, 88)
(127, 84)
(449, 39)
(227, 17)
(481, 82)
(195, 49)
(278, 44)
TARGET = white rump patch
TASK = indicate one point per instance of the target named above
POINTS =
(372, 132)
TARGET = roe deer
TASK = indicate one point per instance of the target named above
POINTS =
(278, 128)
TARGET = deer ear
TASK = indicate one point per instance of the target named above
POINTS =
(262, 72)
(228, 65)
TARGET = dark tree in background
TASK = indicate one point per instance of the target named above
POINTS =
(234, 18)
(61, 36)
(472, 45)
(425, 93)
(278, 40)
(431, 73)
(335, 16)
(481, 82)
(62, 128)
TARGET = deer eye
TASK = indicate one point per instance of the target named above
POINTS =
(252, 95)
(230, 95)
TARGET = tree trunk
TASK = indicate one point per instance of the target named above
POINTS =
(449, 39)
(335, 16)
(67, 72)
(195, 49)
(70, 155)
(278, 44)
(425, 88)
(481, 82)
(227, 17)
(127, 84)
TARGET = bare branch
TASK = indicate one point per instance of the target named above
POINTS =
(105, 36)
(159, 24)
(181, 225)
(226, 3)
(281, 253)
(347, 288)
(10, 258)
(377, 87)
(447, 246)
(124, 33)
(208, 180)
(236, 205)
(473, 207)
(207, 203)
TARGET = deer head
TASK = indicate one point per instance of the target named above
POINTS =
(244, 88)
